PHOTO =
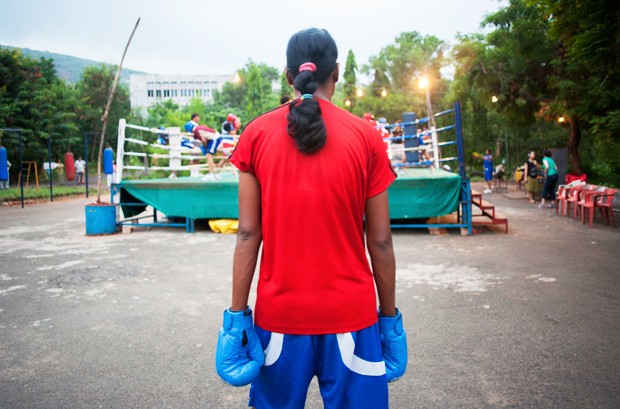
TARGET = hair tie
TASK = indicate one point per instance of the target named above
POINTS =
(307, 66)
(306, 96)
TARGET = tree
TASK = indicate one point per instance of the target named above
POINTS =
(34, 99)
(285, 88)
(395, 70)
(586, 80)
(350, 78)
(234, 96)
(512, 63)
(255, 95)
(92, 91)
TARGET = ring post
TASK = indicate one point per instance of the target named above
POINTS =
(409, 119)
(459, 139)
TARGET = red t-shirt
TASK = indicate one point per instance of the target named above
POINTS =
(314, 274)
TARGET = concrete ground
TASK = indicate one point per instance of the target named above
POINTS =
(524, 320)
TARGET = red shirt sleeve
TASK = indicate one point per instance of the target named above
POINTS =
(242, 155)
(380, 175)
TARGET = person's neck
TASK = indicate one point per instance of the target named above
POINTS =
(320, 93)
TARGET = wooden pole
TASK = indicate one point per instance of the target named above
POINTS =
(104, 119)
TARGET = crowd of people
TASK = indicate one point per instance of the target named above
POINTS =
(395, 141)
(531, 174)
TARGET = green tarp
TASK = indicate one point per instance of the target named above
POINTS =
(417, 193)
(187, 197)
(424, 193)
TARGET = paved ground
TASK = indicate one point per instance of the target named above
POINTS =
(524, 320)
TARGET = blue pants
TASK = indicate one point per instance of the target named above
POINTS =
(349, 367)
(211, 146)
(488, 174)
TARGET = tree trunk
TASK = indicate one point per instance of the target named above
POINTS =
(573, 145)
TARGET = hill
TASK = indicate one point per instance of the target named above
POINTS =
(68, 67)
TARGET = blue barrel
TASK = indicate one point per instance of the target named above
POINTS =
(108, 161)
(100, 219)
(4, 171)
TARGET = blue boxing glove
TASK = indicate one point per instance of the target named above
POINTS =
(239, 355)
(393, 345)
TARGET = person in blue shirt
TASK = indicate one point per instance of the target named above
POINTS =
(487, 163)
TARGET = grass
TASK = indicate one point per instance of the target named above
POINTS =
(14, 193)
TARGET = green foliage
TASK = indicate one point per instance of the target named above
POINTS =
(587, 75)
(255, 96)
(252, 95)
(518, 63)
(395, 71)
(93, 90)
(285, 88)
(34, 99)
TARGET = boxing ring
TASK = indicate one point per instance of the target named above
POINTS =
(420, 192)
(428, 189)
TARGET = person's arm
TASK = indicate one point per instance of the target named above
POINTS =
(546, 165)
(249, 238)
(379, 242)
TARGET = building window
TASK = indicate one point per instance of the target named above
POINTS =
(158, 93)
(174, 92)
(198, 92)
(149, 93)
(166, 93)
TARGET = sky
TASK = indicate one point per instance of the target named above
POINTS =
(219, 37)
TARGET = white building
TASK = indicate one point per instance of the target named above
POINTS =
(148, 89)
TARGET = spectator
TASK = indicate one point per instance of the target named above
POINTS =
(60, 171)
(487, 163)
(551, 179)
(530, 176)
(80, 166)
(4, 184)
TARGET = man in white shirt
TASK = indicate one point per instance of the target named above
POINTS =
(80, 166)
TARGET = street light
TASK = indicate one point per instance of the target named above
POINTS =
(424, 84)
(237, 78)
(360, 92)
(347, 102)
(494, 99)
(384, 93)
(561, 119)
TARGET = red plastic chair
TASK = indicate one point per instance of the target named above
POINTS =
(562, 195)
(601, 200)
(574, 196)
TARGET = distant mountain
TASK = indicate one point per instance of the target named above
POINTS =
(70, 68)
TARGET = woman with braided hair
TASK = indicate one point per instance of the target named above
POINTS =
(310, 174)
